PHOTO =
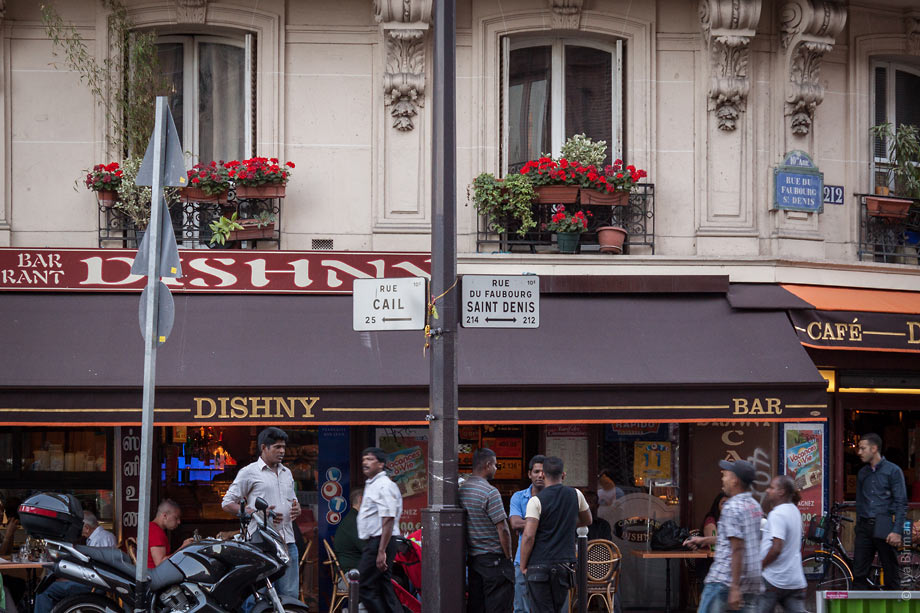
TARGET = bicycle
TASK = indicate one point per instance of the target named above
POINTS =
(830, 567)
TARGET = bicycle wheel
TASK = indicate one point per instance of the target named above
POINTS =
(823, 574)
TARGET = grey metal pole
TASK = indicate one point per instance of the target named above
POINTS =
(150, 353)
(442, 558)
(581, 570)
(354, 596)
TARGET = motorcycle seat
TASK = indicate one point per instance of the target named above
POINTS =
(109, 556)
(163, 575)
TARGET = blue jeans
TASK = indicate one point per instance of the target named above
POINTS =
(288, 584)
(714, 599)
(57, 591)
(521, 604)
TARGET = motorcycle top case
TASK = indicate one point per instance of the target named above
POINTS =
(52, 516)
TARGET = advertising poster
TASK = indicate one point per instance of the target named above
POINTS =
(334, 491)
(651, 460)
(407, 466)
(803, 453)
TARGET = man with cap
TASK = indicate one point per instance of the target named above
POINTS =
(734, 579)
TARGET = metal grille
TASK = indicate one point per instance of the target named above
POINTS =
(885, 239)
(637, 218)
(322, 244)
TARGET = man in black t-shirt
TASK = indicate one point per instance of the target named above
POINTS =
(548, 541)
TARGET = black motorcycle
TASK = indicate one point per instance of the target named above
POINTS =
(207, 576)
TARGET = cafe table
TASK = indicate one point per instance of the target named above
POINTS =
(667, 556)
(30, 570)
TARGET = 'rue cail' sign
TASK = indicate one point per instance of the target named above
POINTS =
(389, 304)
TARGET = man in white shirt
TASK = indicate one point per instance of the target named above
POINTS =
(96, 536)
(268, 478)
(784, 579)
(378, 520)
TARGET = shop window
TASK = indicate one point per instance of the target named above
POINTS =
(555, 88)
(210, 82)
(895, 101)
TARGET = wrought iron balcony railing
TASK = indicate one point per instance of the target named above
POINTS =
(889, 238)
(192, 220)
(637, 218)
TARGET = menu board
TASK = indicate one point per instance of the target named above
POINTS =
(570, 442)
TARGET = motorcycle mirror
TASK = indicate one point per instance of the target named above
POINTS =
(261, 505)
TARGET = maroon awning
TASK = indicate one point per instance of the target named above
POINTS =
(77, 358)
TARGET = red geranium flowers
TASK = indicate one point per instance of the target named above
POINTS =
(104, 177)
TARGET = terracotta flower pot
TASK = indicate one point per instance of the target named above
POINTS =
(260, 192)
(196, 194)
(592, 196)
(892, 208)
(557, 194)
(611, 239)
(107, 197)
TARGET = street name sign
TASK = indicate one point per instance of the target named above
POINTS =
(389, 304)
(491, 301)
(798, 185)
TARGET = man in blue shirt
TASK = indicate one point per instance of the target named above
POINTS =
(516, 514)
(881, 506)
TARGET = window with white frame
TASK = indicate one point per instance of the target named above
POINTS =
(896, 101)
(556, 87)
(210, 80)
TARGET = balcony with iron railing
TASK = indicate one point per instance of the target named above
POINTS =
(192, 220)
(637, 218)
(890, 237)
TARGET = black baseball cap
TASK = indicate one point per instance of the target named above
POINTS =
(744, 470)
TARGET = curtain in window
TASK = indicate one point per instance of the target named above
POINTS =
(529, 87)
(907, 100)
(171, 60)
(221, 102)
(588, 94)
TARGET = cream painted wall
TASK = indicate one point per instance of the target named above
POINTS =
(365, 185)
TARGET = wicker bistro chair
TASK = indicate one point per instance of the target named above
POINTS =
(339, 582)
(604, 561)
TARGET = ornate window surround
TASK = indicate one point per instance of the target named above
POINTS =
(268, 27)
(639, 88)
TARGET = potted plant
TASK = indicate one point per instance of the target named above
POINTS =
(611, 187)
(222, 227)
(133, 200)
(556, 182)
(568, 228)
(254, 228)
(105, 179)
(611, 239)
(504, 201)
(903, 144)
(207, 183)
(260, 177)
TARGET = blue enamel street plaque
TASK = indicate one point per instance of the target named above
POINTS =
(798, 185)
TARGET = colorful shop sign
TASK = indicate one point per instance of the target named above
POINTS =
(651, 460)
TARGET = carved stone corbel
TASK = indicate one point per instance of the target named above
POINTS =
(566, 14)
(912, 30)
(191, 11)
(404, 24)
(728, 28)
(809, 29)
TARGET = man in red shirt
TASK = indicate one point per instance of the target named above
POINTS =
(168, 517)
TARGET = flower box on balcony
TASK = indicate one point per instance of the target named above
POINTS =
(557, 194)
(261, 192)
(107, 198)
(196, 194)
(252, 231)
(892, 208)
(592, 196)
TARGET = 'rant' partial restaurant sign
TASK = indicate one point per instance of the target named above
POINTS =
(266, 272)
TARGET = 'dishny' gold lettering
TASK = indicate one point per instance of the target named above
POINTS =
(307, 404)
(913, 332)
(199, 413)
(284, 405)
(238, 409)
(259, 403)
